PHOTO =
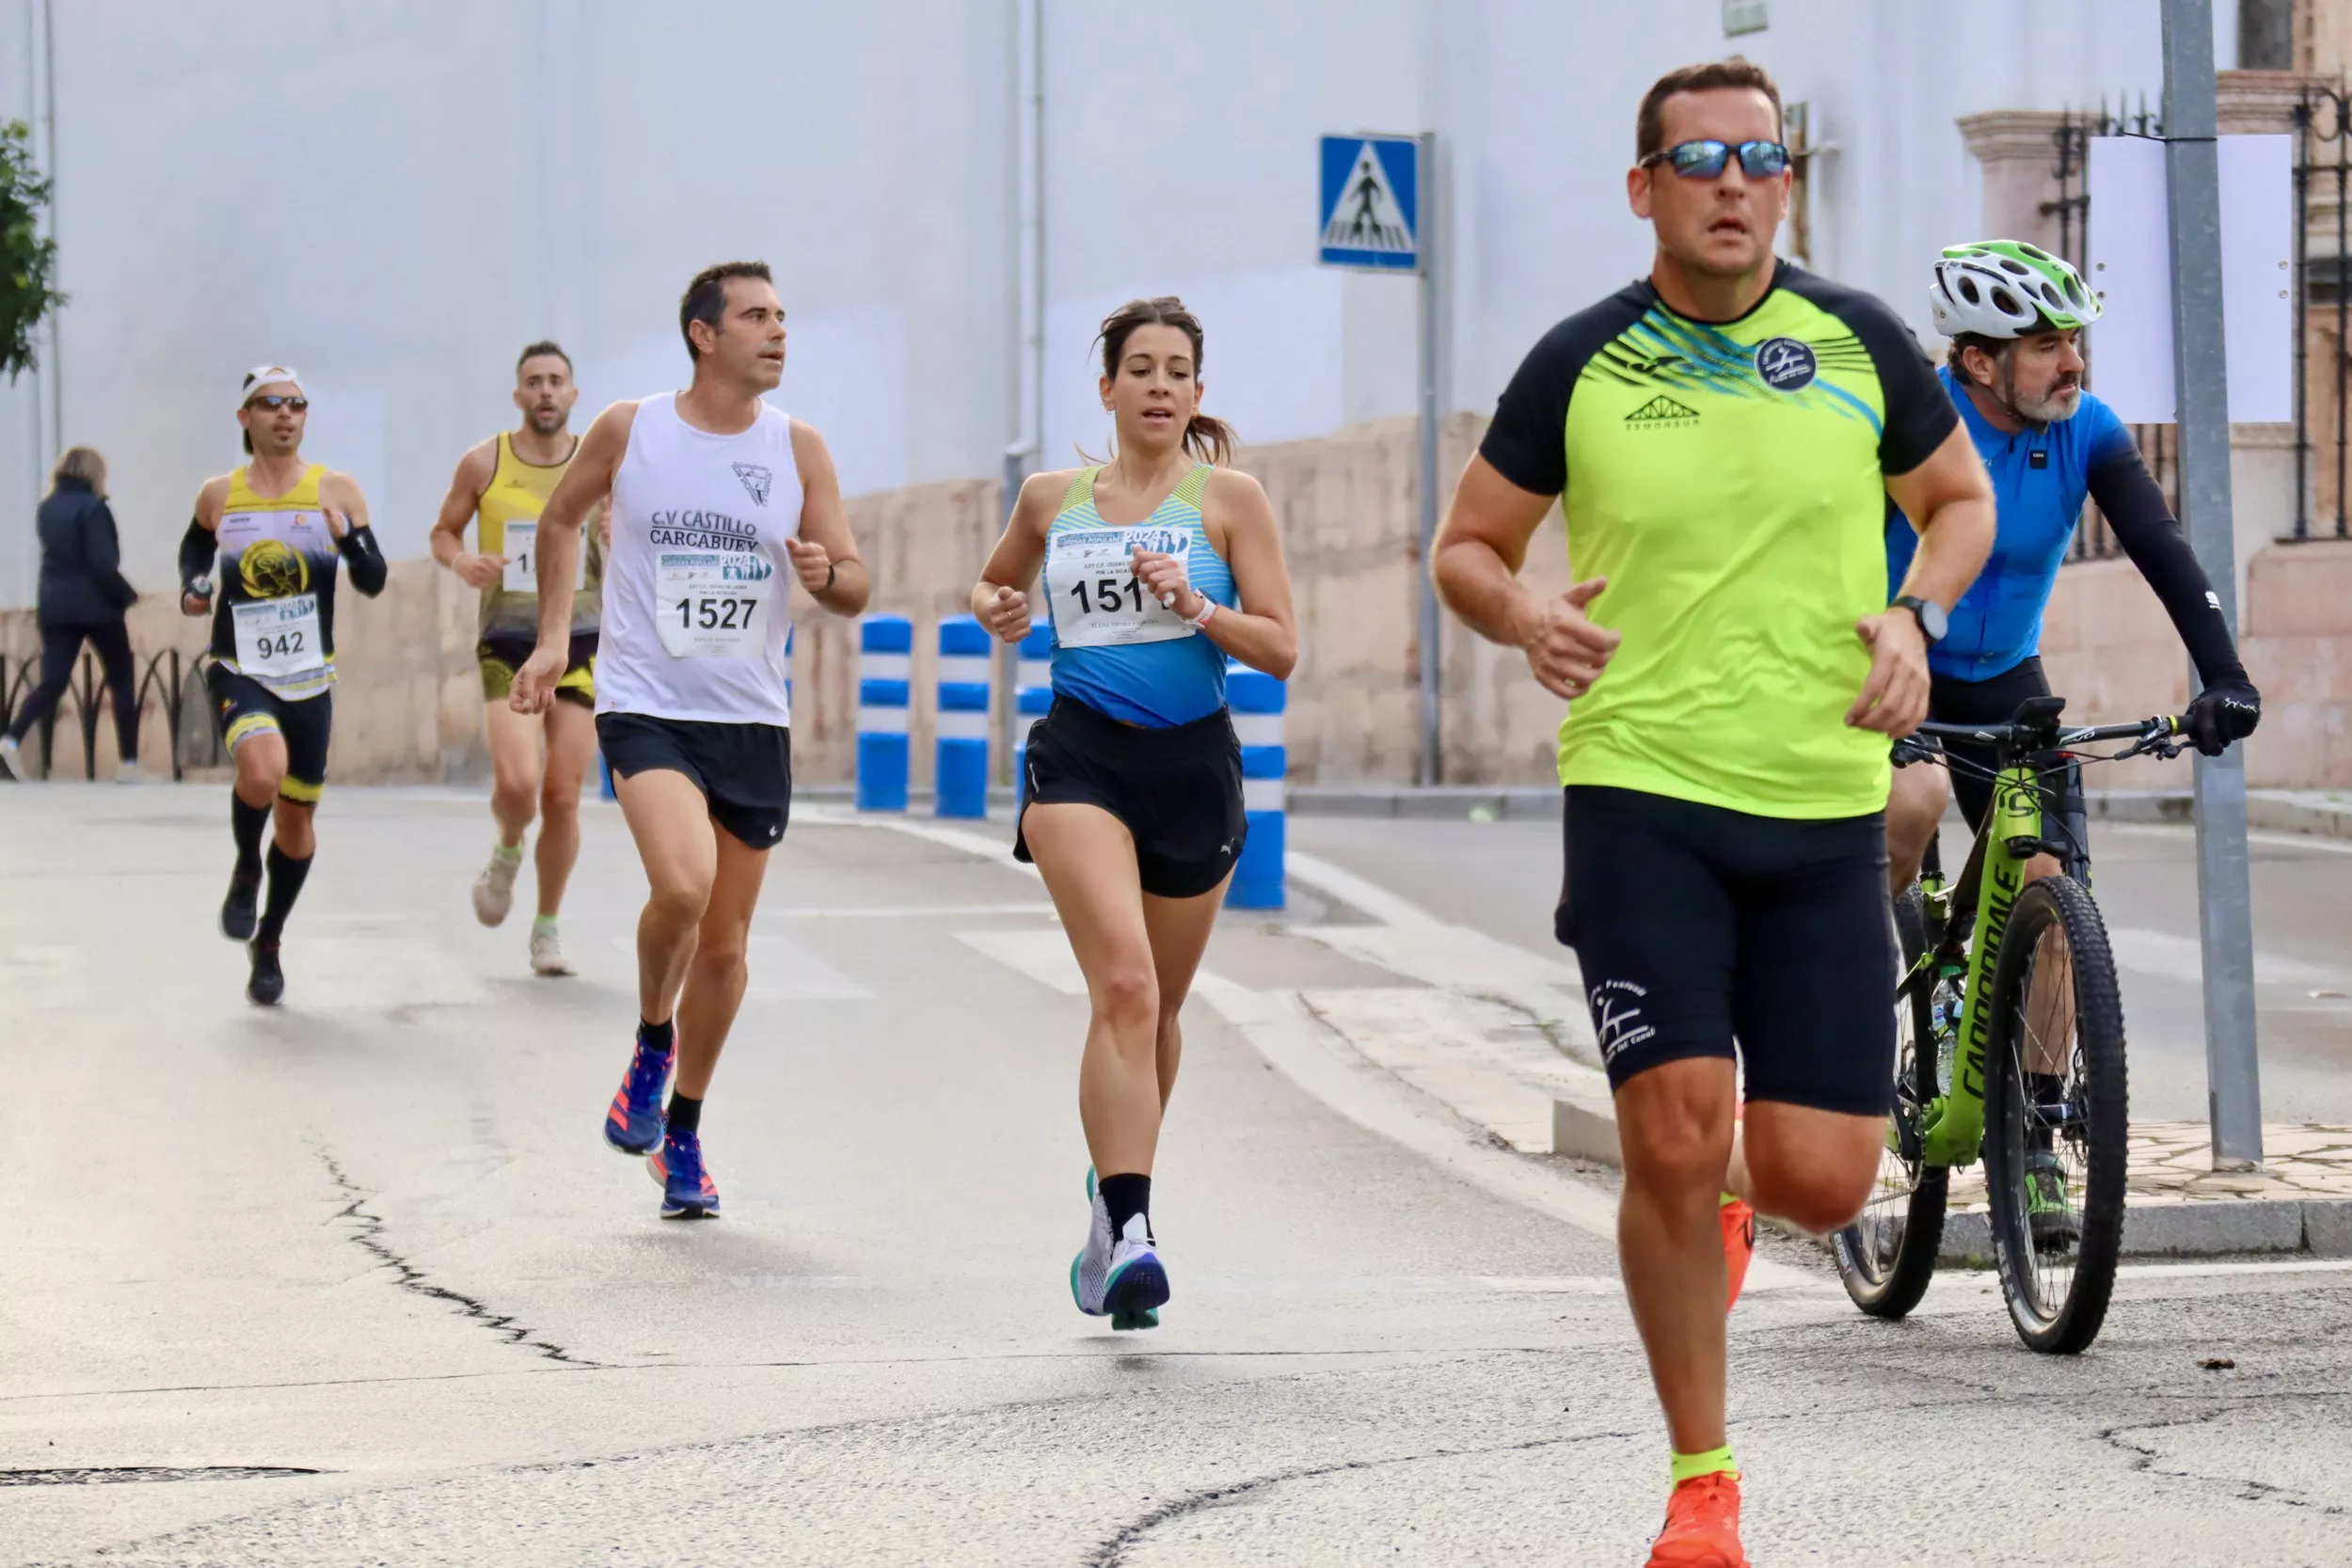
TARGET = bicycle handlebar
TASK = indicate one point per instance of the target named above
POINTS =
(2152, 735)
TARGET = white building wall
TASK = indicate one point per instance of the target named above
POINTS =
(396, 198)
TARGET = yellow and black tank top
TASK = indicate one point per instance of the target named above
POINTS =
(508, 523)
(274, 617)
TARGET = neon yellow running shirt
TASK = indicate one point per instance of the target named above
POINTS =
(1729, 481)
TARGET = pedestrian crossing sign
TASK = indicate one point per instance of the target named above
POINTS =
(1371, 209)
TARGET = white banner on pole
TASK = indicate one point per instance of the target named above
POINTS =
(2131, 267)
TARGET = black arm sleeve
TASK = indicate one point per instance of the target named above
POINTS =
(2143, 525)
(197, 548)
(364, 561)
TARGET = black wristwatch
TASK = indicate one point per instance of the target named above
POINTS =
(1933, 622)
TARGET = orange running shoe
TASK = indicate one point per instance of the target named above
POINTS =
(1701, 1525)
(1739, 1244)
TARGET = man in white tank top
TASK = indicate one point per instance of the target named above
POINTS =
(714, 498)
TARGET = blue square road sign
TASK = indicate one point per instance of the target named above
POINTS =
(1371, 205)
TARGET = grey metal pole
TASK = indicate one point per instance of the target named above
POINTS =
(2201, 376)
(1431, 769)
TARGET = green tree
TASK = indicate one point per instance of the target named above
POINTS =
(27, 261)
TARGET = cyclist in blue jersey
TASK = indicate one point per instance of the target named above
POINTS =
(2013, 314)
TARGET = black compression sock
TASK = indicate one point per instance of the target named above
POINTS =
(2045, 1089)
(286, 876)
(661, 1036)
(685, 1116)
(246, 822)
(1126, 1196)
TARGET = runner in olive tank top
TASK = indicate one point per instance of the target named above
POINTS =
(505, 482)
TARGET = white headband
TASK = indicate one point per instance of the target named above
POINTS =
(264, 375)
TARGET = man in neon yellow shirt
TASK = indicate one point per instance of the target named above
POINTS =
(1726, 435)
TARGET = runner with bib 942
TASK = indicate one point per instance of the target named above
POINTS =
(1159, 565)
(278, 525)
(713, 496)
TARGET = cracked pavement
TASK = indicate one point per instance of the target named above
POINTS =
(358, 1283)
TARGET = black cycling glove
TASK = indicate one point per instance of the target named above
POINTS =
(2225, 711)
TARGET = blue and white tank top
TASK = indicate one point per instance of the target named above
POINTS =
(1116, 648)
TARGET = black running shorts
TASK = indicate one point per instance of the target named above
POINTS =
(743, 770)
(1696, 926)
(1994, 701)
(246, 708)
(1178, 790)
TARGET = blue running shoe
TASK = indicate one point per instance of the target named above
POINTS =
(687, 1191)
(633, 1125)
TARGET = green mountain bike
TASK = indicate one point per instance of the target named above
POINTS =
(2008, 1043)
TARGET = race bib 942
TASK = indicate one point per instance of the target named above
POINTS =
(278, 638)
(1097, 601)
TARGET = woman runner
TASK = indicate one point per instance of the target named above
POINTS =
(1158, 565)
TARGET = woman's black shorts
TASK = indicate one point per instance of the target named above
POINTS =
(1696, 926)
(1177, 790)
(743, 770)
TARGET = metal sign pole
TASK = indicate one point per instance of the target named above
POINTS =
(1432, 768)
(2193, 176)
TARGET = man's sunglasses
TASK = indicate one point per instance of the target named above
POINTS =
(1705, 160)
(274, 401)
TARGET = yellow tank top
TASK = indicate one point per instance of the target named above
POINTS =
(507, 519)
(276, 550)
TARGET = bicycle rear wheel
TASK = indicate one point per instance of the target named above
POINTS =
(2057, 1118)
(1886, 1258)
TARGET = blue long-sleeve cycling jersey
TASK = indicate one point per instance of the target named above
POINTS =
(2041, 477)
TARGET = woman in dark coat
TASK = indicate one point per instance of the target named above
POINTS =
(83, 595)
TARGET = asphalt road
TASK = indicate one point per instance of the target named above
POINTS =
(356, 1282)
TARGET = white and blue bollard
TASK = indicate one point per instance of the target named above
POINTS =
(962, 729)
(886, 674)
(1032, 695)
(1256, 701)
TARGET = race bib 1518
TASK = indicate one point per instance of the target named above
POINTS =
(1097, 601)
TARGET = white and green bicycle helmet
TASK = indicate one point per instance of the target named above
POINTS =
(2007, 288)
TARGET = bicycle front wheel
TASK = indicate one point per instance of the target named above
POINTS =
(2057, 1118)
(1886, 1258)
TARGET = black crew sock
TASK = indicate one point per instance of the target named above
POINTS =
(1126, 1196)
(246, 822)
(661, 1036)
(685, 1116)
(286, 876)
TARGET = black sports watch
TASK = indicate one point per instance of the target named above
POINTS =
(1933, 622)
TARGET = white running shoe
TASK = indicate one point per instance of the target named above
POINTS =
(494, 890)
(1119, 1278)
(128, 774)
(8, 764)
(546, 954)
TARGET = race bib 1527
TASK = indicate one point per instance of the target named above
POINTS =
(713, 604)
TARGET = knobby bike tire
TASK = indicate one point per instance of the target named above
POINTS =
(1889, 1283)
(2097, 1087)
